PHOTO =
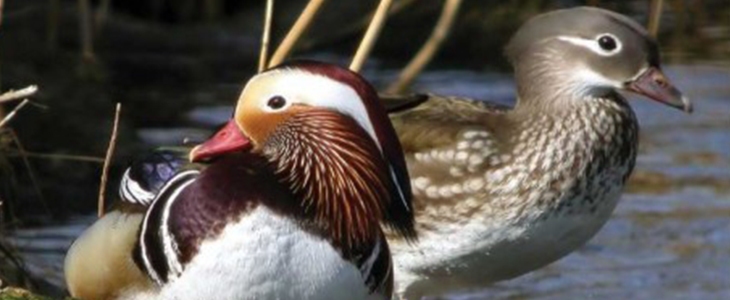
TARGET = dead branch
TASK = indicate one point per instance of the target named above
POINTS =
(107, 161)
(266, 35)
(12, 113)
(296, 31)
(19, 94)
(371, 35)
(429, 49)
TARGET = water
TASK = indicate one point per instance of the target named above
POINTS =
(668, 239)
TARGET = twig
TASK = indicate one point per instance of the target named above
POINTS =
(371, 35)
(54, 156)
(107, 161)
(266, 36)
(10, 115)
(296, 31)
(655, 13)
(429, 49)
(19, 94)
(1, 11)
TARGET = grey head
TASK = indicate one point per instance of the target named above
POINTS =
(587, 52)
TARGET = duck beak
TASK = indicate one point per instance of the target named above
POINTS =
(654, 84)
(228, 139)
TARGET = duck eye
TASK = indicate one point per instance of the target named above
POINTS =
(607, 43)
(276, 102)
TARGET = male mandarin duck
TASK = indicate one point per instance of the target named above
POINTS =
(289, 205)
(499, 192)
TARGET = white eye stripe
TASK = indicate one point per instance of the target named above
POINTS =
(592, 44)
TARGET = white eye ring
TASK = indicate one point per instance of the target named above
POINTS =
(608, 43)
(595, 43)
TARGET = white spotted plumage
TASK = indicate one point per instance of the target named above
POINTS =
(493, 227)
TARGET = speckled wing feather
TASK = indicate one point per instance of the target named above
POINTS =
(444, 138)
(437, 120)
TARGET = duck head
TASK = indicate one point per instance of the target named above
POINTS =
(328, 138)
(588, 52)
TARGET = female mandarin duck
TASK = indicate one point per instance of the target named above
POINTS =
(500, 192)
(288, 207)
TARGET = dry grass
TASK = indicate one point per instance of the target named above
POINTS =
(429, 48)
(371, 35)
(10, 262)
(107, 161)
(297, 30)
(266, 35)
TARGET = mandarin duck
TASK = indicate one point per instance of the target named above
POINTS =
(501, 191)
(289, 205)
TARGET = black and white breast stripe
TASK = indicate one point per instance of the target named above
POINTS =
(157, 252)
(131, 191)
(377, 268)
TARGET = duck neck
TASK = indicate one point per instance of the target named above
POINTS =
(335, 171)
(557, 101)
(548, 83)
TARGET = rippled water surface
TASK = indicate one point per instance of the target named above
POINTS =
(668, 239)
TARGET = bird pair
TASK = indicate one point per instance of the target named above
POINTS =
(290, 201)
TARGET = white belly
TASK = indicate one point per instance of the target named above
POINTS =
(265, 256)
(481, 251)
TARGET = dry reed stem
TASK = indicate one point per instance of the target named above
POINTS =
(107, 161)
(19, 94)
(266, 35)
(87, 44)
(355, 27)
(655, 13)
(296, 31)
(14, 95)
(2, 5)
(12, 113)
(371, 35)
(429, 48)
